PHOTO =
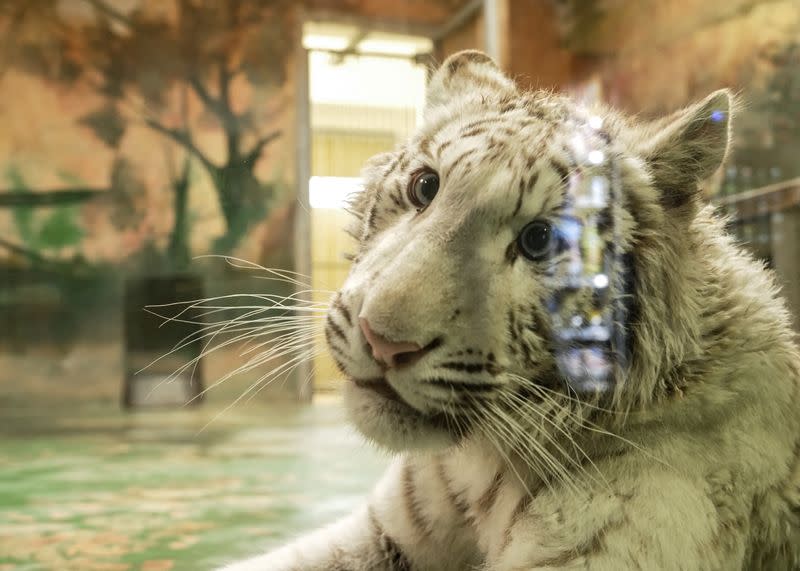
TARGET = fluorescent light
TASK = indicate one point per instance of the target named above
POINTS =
(366, 81)
(332, 191)
(394, 44)
(596, 157)
(325, 42)
(388, 47)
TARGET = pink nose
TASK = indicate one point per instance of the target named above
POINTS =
(385, 350)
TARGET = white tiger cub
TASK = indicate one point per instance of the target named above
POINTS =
(442, 334)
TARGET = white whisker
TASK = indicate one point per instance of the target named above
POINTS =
(491, 429)
(533, 449)
(297, 361)
(515, 401)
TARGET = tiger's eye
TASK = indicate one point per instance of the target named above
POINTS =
(422, 188)
(537, 240)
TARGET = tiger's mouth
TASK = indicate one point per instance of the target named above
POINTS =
(380, 386)
(381, 414)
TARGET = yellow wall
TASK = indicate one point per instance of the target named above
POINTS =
(360, 106)
(335, 153)
(343, 153)
(329, 270)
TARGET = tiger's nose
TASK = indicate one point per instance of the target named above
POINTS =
(393, 353)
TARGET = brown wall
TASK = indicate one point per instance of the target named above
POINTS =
(467, 36)
(650, 58)
(536, 56)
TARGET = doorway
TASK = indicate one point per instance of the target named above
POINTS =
(366, 95)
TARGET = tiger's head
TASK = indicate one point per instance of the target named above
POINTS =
(444, 313)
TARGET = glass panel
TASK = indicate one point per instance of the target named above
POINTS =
(153, 164)
(360, 106)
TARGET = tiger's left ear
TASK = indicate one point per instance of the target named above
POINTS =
(466, 73)
(686, 148)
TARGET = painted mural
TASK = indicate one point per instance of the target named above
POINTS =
(137, 135)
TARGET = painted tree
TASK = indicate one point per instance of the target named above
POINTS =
(144, 62)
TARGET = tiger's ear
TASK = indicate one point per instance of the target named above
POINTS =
(686, 148)
(466, 73)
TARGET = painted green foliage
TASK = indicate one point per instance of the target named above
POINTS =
(176, 72)
(43, 230)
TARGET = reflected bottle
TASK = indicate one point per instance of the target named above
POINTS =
(763, 226)
(729, 186)
(727, 191)
(761, 177)
(745, 179)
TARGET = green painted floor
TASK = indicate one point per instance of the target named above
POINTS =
(92, 488)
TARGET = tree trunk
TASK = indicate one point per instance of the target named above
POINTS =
(243, 201)
(178, 249)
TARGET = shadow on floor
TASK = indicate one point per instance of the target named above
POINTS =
(91, 488)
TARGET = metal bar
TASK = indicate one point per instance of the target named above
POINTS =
(758, 192)
(302, 221)
(435, 33)
(348, 52)
(757, 202)
(22, 251)
(491, 25)
(42, 198)
(379, 24)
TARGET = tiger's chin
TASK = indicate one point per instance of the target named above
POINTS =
(384, 418)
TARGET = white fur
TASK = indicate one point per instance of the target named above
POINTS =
(690, 465)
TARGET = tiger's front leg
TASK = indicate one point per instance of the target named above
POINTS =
(355, 542)
(660, 521)
(405, 526)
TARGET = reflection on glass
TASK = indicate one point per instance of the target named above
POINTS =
(587, 318)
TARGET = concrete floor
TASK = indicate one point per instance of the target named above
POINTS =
(88, 487)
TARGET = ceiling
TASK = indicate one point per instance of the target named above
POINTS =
(350, 38)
